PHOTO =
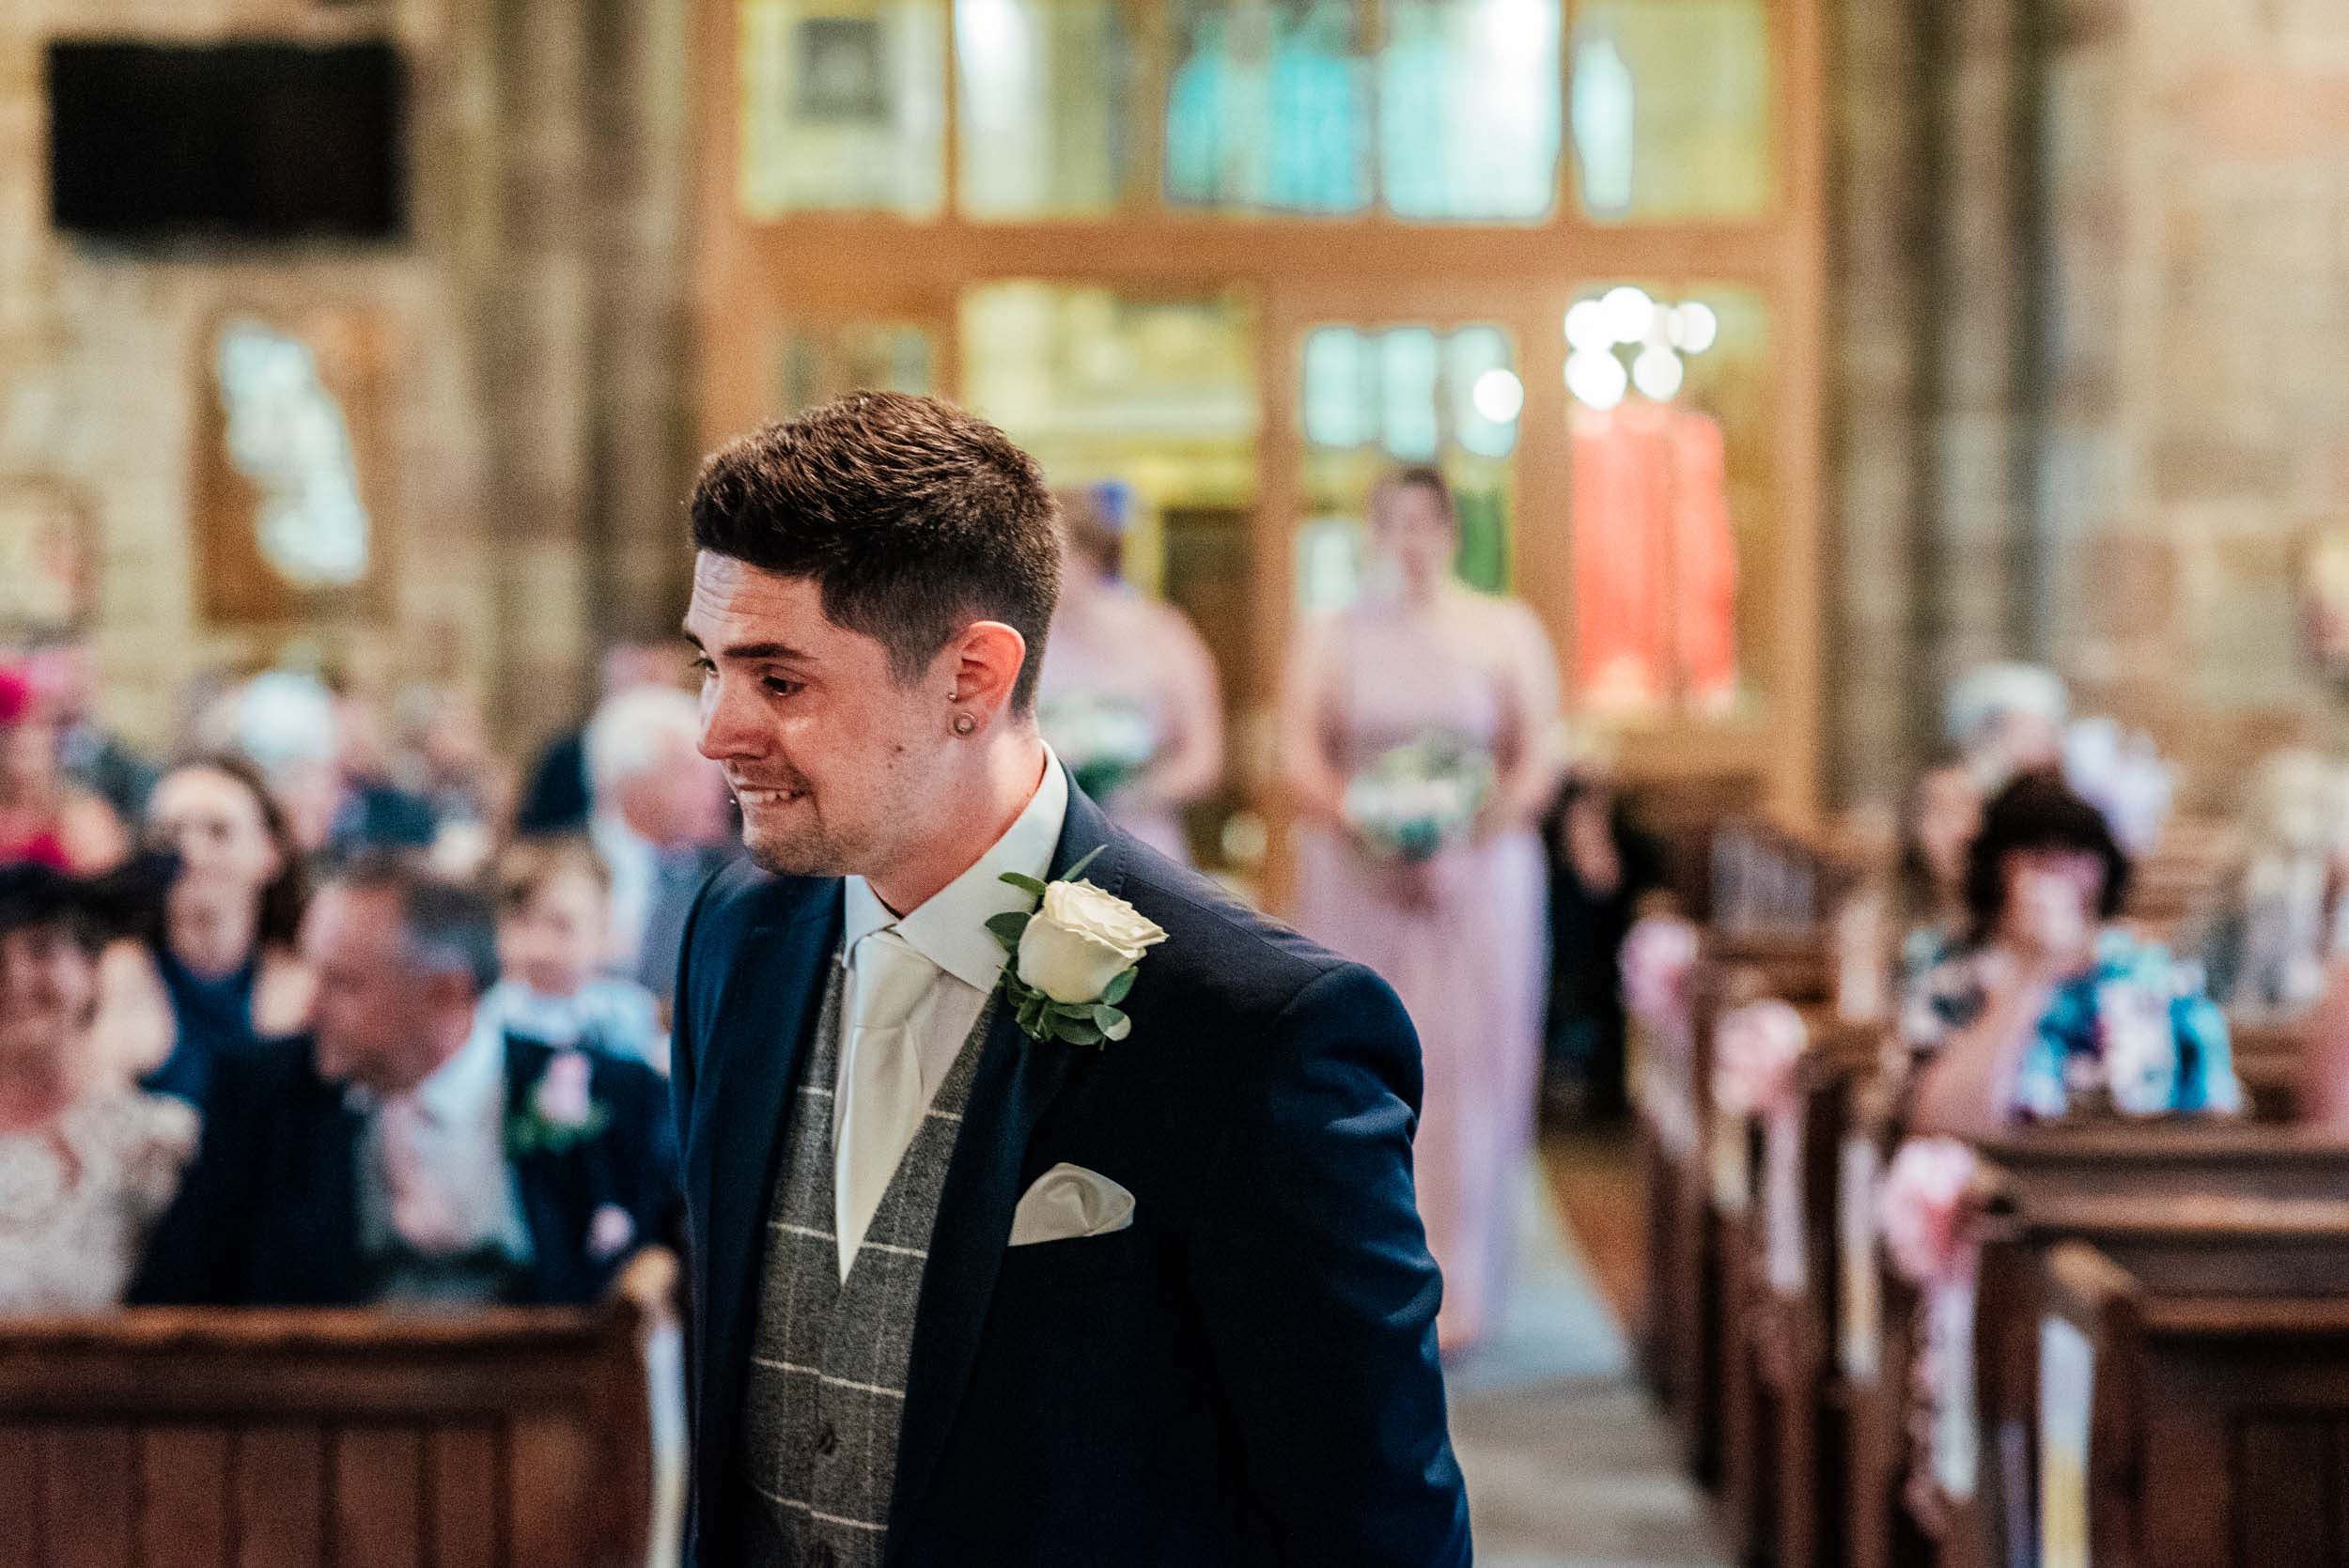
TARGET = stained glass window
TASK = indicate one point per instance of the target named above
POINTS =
(1468, 109)
(1670, 439)
(1670, 109)
(1268, 106)
(843, 107)
(1042, 91)
(1376, 397)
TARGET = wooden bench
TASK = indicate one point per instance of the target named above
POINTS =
(269, 1438)
(2206, 1279)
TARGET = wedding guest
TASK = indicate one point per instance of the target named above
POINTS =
(554, 914)
(1938, 821)
(1413, 735)
(1129, 697)
(65, 671)
(45, 819)
(2278, 919)
(556, 799)
(445, 760)
(2052, 1010)
(1602, 866)
(87, 1161)
(226, 958)
(403, 1152)
(660, 823)
(2008, 719)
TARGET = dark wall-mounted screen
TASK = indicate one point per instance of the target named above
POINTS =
(233, 141)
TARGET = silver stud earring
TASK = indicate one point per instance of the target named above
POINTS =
(964, 723)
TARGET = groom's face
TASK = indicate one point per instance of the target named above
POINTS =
(829, 755)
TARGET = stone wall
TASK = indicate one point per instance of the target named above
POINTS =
(533, 430)
(2115, 406)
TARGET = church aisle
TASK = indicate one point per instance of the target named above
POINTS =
(1567, 1463)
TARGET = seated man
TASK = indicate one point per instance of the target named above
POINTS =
(402, 1153)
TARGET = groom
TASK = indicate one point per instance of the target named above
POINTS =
(965, 1297)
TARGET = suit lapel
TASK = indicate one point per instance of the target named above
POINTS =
(1016, 1083)
(774, 989)
(555, 1227)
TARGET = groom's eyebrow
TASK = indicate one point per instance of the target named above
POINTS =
(753, 652)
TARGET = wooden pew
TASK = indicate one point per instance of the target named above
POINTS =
(2203, 1271)
(269, 1438)
(2187, 1429)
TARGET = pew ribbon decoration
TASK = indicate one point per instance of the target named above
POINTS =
(1755, 1048)
(1922, 1210)
(1658, 962)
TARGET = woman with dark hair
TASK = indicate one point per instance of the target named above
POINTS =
(2052, 1010)
(86, 1163)
(227, 947)
(1418, 742)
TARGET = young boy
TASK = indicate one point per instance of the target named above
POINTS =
(553, 908)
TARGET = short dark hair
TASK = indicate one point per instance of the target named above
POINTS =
(2039, 810)
(911, 516)
(450, 926)
(530, 863)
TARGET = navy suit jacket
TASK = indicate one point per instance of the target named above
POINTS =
(1248, 1374)
(269, 1213)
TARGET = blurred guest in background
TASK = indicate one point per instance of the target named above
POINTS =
(556, 799)
(1938, 821)
(374, 808)
(65, 672)
(554, 916)
(227, 958)
(659, 822)
(2050, 1010)
(1415, 731)
(45, 819)
(2007, 719)
(403, 1152)
(1128, 697)
(2277, 920)
(87, 1161)
(445, 759)
(1601, 866)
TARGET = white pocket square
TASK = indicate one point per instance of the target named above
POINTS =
(1068, 1202)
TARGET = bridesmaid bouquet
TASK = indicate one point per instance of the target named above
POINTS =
(1418, 800)
(1104, 740)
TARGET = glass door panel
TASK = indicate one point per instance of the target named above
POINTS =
(1670, 109)
(1041, 87)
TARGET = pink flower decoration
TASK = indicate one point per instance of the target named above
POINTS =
(1658, 957)
(1754, 1051)
(560, 1098)
(1921, 1210)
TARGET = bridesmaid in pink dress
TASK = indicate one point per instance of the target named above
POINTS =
(1115, 659)
(1459, 936)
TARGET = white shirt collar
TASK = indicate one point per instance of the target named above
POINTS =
(475, 1077)
(951, 930)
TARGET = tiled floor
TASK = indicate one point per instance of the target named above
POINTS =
(1567, 1463)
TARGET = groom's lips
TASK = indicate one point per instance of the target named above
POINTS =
(750, 796)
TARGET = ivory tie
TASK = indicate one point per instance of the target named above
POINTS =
(883, 1102)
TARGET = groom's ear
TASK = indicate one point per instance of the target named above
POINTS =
(983, 668)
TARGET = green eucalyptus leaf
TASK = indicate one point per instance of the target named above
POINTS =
(1118, 988)
(1008, 928)
(1074, 1031)
(1025, 884)
(1077, 871)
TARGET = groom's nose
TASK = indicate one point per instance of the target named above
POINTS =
(730, 727)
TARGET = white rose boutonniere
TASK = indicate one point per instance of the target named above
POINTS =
(1073, 958)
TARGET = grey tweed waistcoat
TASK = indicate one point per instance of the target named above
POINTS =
(826, 1395)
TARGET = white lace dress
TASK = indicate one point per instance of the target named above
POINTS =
(78, 1197)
